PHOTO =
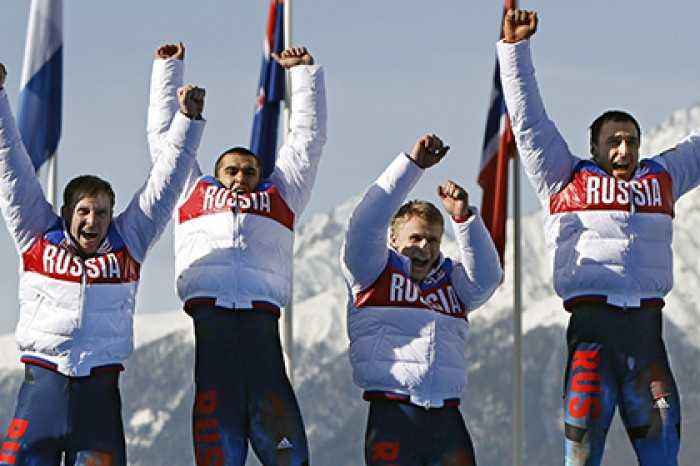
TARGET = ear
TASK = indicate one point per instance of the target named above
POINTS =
(392, 239)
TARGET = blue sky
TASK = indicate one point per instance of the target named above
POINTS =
(395, 70)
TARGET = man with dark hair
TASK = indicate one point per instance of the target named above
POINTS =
(612, 115)
(237, 150)
(78, 279)
(87, 185)
(608, 223)
(407, 312)
(234, 236)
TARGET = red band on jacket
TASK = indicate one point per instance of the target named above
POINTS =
(589, 190)
(208, 198)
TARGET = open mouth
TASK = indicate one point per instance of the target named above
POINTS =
(419, 262)
(88, 235)
(238, 188)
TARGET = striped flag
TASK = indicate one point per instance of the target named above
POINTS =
(263, 140)
(499, 147)
(39, 106)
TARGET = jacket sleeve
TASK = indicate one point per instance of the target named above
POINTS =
(364, 253)
(298, 159)
(166, 77)
(547, 160)
(683, 163)
(479, 271)
(26, 211)
(146, 216)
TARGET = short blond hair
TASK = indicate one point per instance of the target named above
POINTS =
(421, 209)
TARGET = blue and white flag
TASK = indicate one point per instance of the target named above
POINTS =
(263, 140)
(39, 106)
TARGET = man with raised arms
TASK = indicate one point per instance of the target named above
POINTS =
(408, 312)
(234, 235)
(79, 273)
(608, 225)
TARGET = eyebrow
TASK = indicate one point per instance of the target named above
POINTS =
(419, 235)
(240, 167)
(622, 137)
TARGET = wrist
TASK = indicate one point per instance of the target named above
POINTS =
(191, 116)
(463, 218)
(415, 162)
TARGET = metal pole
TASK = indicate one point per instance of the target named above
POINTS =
(518, 437)
(51, 183)
(287, 44)
(287, 321)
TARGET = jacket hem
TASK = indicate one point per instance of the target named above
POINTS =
(376, 395)
(52, 366)
(571, 303)
(258, 305)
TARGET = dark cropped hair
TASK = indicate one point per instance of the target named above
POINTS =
(237, 150)
(86, 185)
(421, 209)
(612, 115)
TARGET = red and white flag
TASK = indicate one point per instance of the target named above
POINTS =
(499, 147)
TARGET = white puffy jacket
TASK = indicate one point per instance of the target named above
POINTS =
(238, 249)
(407, 340)
(610, 240)
(76, 315)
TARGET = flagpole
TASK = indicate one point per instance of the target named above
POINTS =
(287, 321)
(518, 386)
(499, 146)
(288, 87)
(518, 399)
(51, 181)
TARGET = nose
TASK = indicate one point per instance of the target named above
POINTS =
(623, 148)
(90, 218)
(238, 177)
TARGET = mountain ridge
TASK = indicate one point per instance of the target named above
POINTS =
(157, 386)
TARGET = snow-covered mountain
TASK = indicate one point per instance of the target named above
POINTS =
(157, 386)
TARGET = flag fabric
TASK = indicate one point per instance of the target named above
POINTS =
(499, 147)
(263, 141)
(39, 105)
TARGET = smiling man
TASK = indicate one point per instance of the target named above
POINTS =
(615, 141)
(87, 210)
(608, 225)
(79, 275)
(407, 312)
(416, 232)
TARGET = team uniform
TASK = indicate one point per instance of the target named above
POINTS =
(612, 262)
(233, 261)
(76, 314)
(407, 339)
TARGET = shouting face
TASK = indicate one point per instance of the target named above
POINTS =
(617, 149)
(419, 240)
(88, 221)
